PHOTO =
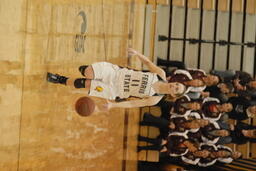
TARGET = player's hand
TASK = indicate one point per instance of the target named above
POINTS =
(132, 52)
(105, 107)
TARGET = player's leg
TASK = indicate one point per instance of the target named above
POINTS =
(87, 71)
(92, 87)
(73, 82)
(56, 78)
(102, 71)
(79, 83)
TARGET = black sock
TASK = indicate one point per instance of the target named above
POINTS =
(63, 80)
(79, 83)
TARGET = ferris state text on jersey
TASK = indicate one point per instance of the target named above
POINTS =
(137, 84)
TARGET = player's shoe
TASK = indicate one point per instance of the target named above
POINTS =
(82, 69)
(55, 78)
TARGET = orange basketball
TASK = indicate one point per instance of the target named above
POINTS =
(85, 106)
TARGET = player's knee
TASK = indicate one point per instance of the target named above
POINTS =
(87, 83)
(88, 72)
(80, 83)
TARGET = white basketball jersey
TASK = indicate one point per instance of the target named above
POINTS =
(136, 83)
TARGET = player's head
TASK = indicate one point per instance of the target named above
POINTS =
(176, 89)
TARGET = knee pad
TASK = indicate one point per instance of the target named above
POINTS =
(79, 83)
(82, 69)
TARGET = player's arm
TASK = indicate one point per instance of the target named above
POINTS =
(150, 101)
(151, 66)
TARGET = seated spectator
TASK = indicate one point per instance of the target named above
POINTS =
(184, 77)
(181, 124)
(243, 82)
(202, 157)
(181, 107)
(241, 79)
(212, 109)
(195, 136)
(242, 108)
(197, 74)
(226, 154)
(194, 157)
(184, 105)
(175, 145)
(221, 91)
(214, 134)
(175, 124)
(217, 153)
(208, 79)
(243, 133)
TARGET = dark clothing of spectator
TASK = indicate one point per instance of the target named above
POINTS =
(237, 135)
(240, 105)
(209, 108)
(216, 93)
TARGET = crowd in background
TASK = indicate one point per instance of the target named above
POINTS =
(195, 128)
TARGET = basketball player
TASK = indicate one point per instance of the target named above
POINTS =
(109, 81)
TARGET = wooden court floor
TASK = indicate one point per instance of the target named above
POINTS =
(38, 125)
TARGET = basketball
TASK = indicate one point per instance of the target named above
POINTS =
(85, 106)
